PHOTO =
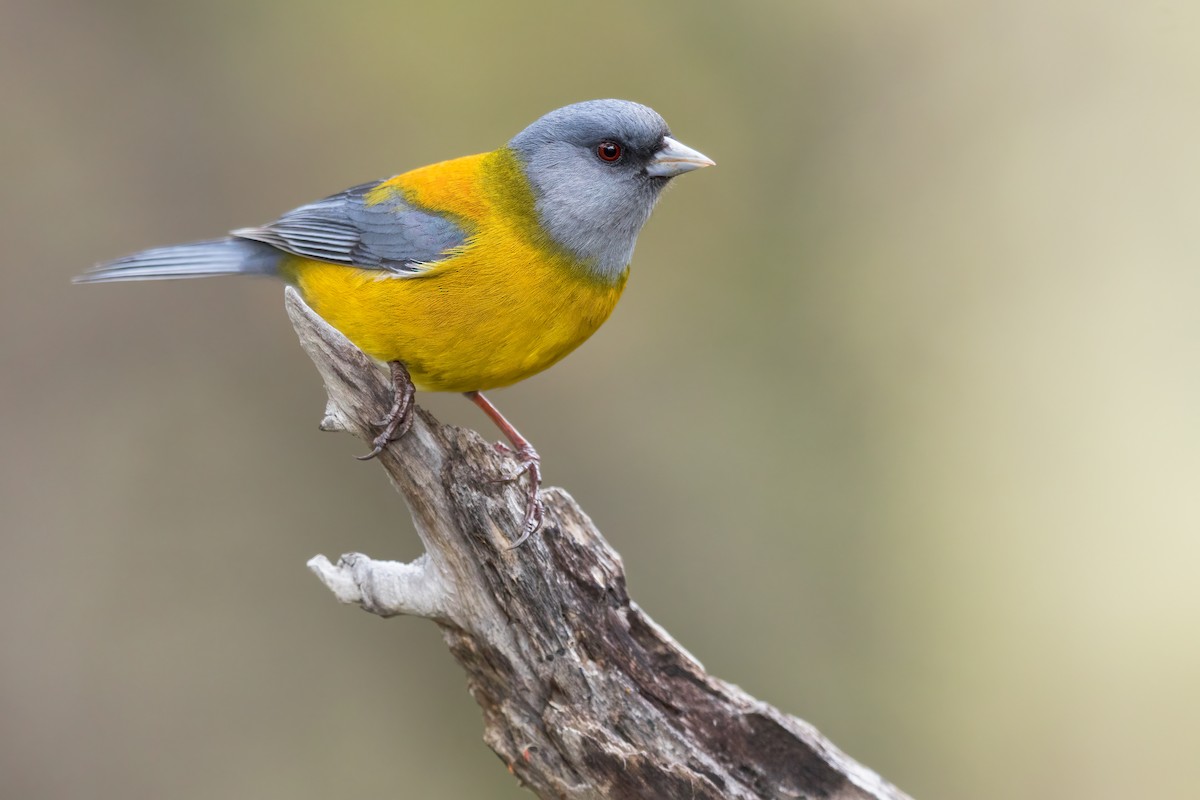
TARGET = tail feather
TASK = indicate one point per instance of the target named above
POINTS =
(227, 256)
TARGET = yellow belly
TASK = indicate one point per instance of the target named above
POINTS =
(467, 326)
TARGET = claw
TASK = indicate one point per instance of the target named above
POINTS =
(400, 416)
(528, 461)
(374, 451)
(534, 514)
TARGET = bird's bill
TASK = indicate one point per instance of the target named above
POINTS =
(676, 158)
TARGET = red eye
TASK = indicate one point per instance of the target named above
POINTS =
(608, 151)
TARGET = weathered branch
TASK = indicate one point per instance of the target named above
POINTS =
(583, 695)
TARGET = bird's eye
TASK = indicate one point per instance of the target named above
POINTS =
(608, 151)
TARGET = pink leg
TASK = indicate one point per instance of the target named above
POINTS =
(529, 462)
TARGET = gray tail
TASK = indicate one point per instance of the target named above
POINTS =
(227, 256)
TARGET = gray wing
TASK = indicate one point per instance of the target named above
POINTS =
(391, 235)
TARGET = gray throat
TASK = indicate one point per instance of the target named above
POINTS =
(596, 222)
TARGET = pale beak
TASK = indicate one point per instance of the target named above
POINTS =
(676, 158)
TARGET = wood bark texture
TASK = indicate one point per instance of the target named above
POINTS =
(583, 695)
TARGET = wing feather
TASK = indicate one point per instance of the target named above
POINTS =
(391, 235)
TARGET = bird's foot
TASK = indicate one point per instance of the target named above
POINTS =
(399, 417)
(528, 461)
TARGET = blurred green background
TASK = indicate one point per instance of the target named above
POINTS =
(896, 425)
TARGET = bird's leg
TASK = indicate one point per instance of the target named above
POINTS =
(528, 461)
(400, 416)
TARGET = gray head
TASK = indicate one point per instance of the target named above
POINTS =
(596, 169)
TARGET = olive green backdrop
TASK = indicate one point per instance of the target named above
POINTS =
(897, 426)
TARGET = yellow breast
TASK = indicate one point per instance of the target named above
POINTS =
(509, 304)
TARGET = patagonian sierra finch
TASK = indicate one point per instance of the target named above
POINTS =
(469, 274)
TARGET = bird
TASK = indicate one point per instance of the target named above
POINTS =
(469, 274)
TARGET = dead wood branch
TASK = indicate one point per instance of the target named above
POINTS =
(583, 695)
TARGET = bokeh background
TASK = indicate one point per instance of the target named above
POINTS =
(896, 425)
